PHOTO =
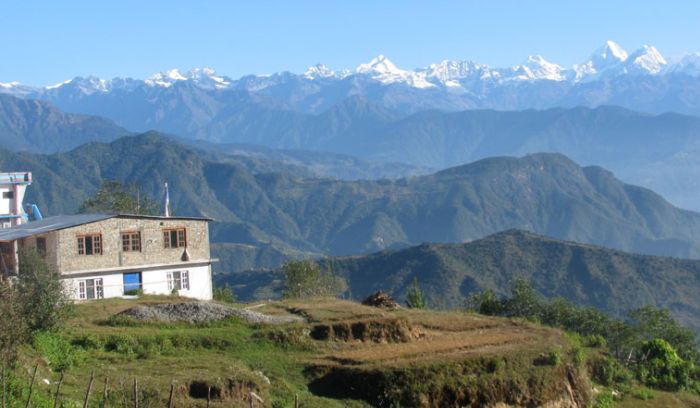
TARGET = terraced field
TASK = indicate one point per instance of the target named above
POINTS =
(341, 354)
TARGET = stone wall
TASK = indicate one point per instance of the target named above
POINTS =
(152, 246)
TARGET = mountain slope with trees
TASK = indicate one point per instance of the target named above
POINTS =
(610, 280)
(39, 127)
(544, 193)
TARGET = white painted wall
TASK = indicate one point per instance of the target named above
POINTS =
(154, 282)
(5, 203)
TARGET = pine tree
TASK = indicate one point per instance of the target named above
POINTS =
(414, 297)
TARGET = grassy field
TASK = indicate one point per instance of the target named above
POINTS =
(345, 355)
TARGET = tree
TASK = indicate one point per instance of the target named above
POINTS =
(414, 297)
(13, 329)
(524, 301)
(45, 303)
(306, 279)
(661, 367)
(486, 303)
(114, 197)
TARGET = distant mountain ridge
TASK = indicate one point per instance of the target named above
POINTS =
(546, 193)
(642, 80)
(39, 127)
(607, 279)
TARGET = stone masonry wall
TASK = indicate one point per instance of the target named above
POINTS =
(152, 246)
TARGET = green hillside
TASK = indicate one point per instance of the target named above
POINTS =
(610, 280)
(37, 126)
(545, 193)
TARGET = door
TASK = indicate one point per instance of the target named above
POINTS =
(132, 283)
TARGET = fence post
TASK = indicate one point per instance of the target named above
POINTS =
(170, 399)
(4, 386)
(105, 393)
(136, 393)
(31, 387)
(208, 396)
(58, 390)
(89, 388)
(296, 400)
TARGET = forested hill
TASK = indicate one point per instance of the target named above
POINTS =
(545, 193)
(37, 126)
(611, 280)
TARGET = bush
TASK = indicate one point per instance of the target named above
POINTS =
(45, 305)
(553, 358)
(414, 297)
(224, 294)
(661, 367)
(58, 351)
(306, 279)
(607, 371)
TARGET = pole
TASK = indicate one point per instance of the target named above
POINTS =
(296, 400)
(31, 387)
(58, 390)
(170, 399)
(208, 396)
(4, 384)
(105, 392)
(89, 388)
(136, 393)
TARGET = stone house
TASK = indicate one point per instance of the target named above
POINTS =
(112, 255)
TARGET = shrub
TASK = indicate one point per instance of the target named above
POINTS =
(45, 305)
(306, 279)
(414, 297)
(607, 371)
(59, 352)
(224, 294)
(661, 367)
(605, 400)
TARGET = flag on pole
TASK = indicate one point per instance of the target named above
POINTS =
(167, 201)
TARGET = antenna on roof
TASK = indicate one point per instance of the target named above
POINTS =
(166, 209)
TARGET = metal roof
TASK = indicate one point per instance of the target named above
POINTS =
(50, 224)
(67, 221)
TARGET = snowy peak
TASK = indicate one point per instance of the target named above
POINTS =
(380, 65)
(611, 51)
(381, 69)
(689, 64)
(165, 79)
(647, 60)
(538, 68)
(610, 56)
(86, 85)
(205, 78)
(319, 71)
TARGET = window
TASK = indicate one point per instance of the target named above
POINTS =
(91, 289)
(174, 238)
(179, 280)
(8, 194)
(90, 244)
(131, 241)
(41, 246)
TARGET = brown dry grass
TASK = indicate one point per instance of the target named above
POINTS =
(447, 336)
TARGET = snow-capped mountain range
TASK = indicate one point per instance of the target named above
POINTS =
(609, 60)
(188, 102)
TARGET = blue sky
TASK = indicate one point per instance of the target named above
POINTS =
(45, 42)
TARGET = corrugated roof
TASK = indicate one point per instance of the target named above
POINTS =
(50, 224)
(67, 221)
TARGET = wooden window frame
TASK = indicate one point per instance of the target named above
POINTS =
(182, 282)
(132, 243)
(82, 247)
(180, 234)
(98, 289)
